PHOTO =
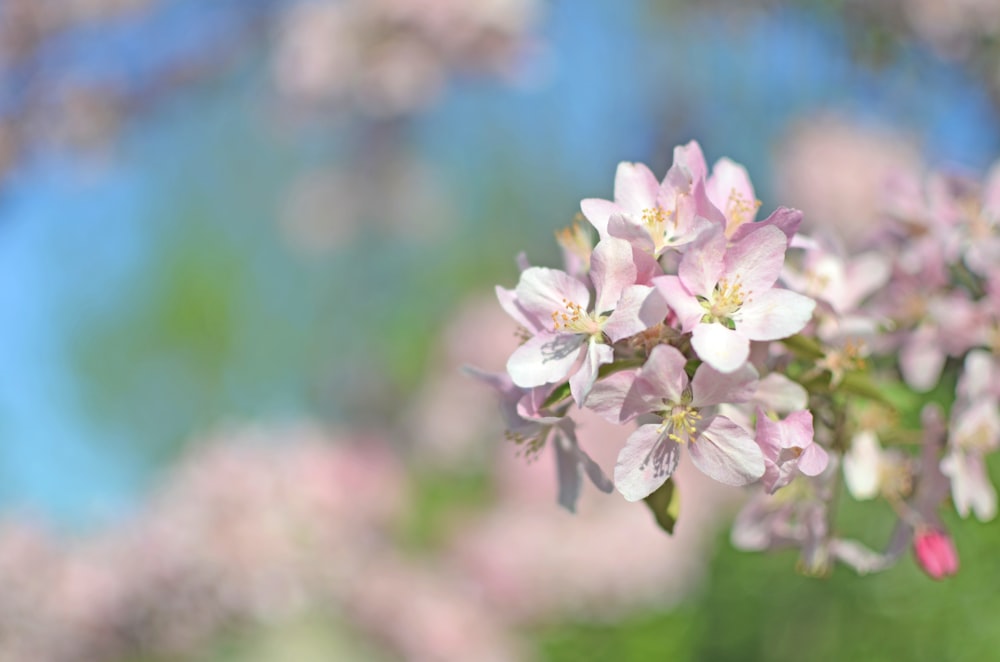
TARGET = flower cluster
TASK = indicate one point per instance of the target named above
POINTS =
(391, 58)
(777, 359)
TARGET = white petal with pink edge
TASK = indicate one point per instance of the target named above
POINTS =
(646, 461)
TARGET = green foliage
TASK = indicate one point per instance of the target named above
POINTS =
(305, 638)
(639, 638)
(438, 500)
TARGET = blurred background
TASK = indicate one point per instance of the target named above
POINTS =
(246, 245)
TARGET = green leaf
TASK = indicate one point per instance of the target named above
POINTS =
(666, 505)
(860, 383)
(559, 394)
(804, 347)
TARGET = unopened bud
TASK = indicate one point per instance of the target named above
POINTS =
(935, 553)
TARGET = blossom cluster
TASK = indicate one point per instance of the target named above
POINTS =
(776, 361)
(391, 58)
(255, 529)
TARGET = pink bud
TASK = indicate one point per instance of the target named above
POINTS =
(935, 553)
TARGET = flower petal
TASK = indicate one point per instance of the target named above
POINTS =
(612, 269)
(542, 291)
(711, 387)
(571, 462)
(635, 187)
(627, 228)
(862, 465)
(581, 381)
(785, 219)
(645, 463)
(727, 453)
(639, 308)
(921, 359)
(508, 301)
(731, 180)
(774, 314)
(684, 304)
(722, 348)
(971, 489)
(544, 359)
(662, 378)
(778, 393)
(689, 166)
(598, 212)
(703, 264)
(813, 460)
(756, 259)
(608, 395)
(567, 471)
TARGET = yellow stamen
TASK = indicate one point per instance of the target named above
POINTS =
(726, 300)
(661, 224)
(576, 239)
(739, 210)
(681, 420)
(574, 319)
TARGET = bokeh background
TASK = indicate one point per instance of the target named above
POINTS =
(246, 246)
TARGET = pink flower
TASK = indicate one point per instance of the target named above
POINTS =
(726, 296)
(731, 203)
(951, 325)
(835, 168)
(788, 449)
(936, 554)
(730, 190)
(971, 488)
(841, 282)
(870, 471)
(719, 448)
(655, 216)
(973, 433)
(555, 308)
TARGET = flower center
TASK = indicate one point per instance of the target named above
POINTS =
(850, 357)
(739, 210)
(574, 319)
(817, 282)
(681, 421)
(895, 480)
(660, 224)
(980, 226)
(981, 438)
(656, 217)
(726, 300)
(576, 240)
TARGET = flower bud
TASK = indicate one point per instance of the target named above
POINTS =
(935, 553)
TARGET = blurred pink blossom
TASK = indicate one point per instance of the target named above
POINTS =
(953, 27)
(329, 208)
(835, 170)
(429, 613)
(452, 418)
(387, 58)
(254, 526)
